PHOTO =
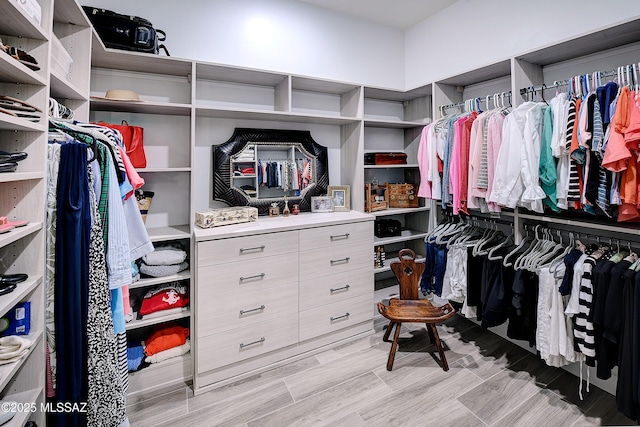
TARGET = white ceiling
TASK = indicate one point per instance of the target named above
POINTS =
(393, 13)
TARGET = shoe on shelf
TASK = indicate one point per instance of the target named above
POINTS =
(8, 167)
(7, 289)
(7, 157)
(19, 223)
(20, 56)
(12, 279)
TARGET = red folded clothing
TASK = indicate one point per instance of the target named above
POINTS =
(248, 171)
(164, 298)
(165, 337)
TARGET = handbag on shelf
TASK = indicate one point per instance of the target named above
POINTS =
(126, 32)
(133, 138)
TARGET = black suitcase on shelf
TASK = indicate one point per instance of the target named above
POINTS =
(125, 32)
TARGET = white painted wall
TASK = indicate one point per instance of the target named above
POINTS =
(277, 35)
(473, 33)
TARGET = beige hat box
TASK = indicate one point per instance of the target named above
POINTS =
(226, 216)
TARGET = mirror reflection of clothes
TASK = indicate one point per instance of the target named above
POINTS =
(284, 174)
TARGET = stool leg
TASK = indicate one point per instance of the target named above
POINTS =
(394, 347)
(385, 338)
(438, 343)
(432, 337)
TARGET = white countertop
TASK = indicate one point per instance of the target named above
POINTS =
(266, 224)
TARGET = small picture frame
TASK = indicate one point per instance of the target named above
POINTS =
(321, 204)
(341, 197)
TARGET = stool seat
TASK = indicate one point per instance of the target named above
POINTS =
(415, 311)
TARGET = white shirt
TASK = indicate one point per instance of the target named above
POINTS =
(507, 182)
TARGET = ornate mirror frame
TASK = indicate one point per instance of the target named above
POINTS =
(223, 190)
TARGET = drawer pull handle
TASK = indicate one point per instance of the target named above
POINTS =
(257, 248)
(339, 236)
(333, 319)
(243, 345)
(262, 307)
(336, 261)
(344, 288)
(261, 275)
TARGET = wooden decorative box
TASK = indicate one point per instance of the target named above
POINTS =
(376, 198)
(402, 195)
(226, 216)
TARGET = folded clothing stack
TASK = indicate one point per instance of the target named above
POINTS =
(164, 261)
(135, 356)
(12, 348)
(166, 341)
(247, 154)
(166, 299)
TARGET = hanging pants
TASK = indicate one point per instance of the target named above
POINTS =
(72, 281)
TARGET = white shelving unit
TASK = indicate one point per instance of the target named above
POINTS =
(22, 197)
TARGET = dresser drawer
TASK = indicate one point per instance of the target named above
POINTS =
(239, 344)
(329, 289)
(240, 277)
(339, 259)
(222, 312)
(249, 248)
(333, 317)
(322, 237)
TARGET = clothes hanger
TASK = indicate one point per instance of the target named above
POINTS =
(554, 263)
(523, 260)
(535, 256)
(558, 248)
(527, 239)
(542, 89)
(532, 245)
(506, 242)
(83, 137)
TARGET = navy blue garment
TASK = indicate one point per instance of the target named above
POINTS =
(569, 260)
(428, 275)
(523, 316)
(474, 281)
(608, 350)
(72, 281)
(497, 293)
(625, 393)
(435, 264)
(441, 266)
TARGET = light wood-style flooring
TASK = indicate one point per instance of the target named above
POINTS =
(491, 382)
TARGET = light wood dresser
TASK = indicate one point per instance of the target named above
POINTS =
(270, 291)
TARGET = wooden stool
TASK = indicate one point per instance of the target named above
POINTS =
(409, 308)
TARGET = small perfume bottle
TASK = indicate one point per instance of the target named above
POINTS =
(285, 211)
(296, 209)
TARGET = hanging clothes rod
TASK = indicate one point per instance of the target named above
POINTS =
(478, 100)
(561, 83)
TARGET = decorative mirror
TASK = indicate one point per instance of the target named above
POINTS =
(257, 167)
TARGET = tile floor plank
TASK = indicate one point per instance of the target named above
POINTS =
(544, 408)
(330, 405)
(510, 387)
(239, 409)
(251, 383)
(425, 401)
(151, 412)
(319, 378)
